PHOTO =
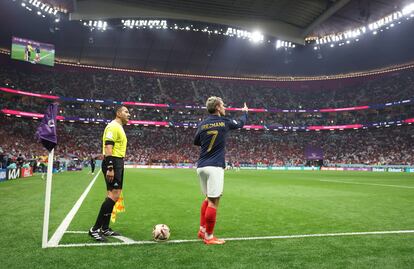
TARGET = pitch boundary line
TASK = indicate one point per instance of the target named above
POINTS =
(57, 236)
(133, 242)
(369, 184)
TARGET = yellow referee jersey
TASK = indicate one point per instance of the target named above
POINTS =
(114, 132)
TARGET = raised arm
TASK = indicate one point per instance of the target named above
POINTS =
(242, 121)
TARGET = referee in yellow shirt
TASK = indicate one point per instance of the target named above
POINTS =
(114, 144)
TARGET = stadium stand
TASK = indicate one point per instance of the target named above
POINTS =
(381, 146)
(148, 145)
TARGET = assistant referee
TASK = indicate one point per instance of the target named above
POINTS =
(114, 144)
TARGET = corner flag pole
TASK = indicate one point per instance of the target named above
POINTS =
(46, 133)
(47, 199)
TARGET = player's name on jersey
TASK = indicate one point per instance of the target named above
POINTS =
(212, 125)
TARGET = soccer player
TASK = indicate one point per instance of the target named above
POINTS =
(28, 51)
(211, 137)
(114, 144)
(92, 163)
(37, 59)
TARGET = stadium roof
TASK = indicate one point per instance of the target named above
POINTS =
(290, 20)
(192, 52)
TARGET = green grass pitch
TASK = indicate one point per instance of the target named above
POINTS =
(47, 57)
(255, 203)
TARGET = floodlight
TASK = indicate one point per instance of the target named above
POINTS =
(256, 37)
(278, 44)
(408, 9)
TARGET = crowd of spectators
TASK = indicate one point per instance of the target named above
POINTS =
(174, 145)
(150, 145)
(88, 83)
(383, 146)
(182, 115)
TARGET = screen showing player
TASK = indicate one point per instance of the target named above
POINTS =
(32, 51)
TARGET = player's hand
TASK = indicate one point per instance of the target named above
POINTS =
(110, 175)
(245, 108)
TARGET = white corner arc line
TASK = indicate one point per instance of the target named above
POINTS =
(57, 236)
(369, 184)
(124, 239)
(238, 238)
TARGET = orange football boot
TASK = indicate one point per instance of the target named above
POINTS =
(214, 241)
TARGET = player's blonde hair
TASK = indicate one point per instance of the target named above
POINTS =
(212, 103)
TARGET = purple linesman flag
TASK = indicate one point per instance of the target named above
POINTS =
(46, 132)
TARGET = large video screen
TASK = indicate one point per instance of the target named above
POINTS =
(32, 51)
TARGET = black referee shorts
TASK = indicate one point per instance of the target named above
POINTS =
(118, 174)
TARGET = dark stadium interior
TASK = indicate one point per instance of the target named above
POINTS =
(201, 53)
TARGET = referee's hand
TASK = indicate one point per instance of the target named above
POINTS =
(110, 175)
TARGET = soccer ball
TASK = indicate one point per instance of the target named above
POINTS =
(161, 232)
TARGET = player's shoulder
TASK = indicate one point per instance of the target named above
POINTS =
(230, 120)
(204, 121)
(112, 126)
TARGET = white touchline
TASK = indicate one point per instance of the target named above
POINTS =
(132, 242)
(57, 236)
(369, 184)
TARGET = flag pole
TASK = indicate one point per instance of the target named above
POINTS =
(45, 237)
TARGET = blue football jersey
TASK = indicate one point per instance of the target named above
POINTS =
(211, 137)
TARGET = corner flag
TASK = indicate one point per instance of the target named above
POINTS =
(46, 132)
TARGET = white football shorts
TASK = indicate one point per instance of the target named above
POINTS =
(211, 180)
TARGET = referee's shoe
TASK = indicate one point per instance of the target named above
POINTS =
(109, 232)
(97, 235)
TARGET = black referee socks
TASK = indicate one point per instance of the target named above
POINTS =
(104, 215)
